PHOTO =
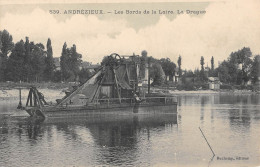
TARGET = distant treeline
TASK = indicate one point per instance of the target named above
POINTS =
(29, 62)
(241, 68)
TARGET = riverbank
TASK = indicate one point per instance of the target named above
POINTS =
(185, 92)
(51, 93)
(10, 90)
(42, 85)
(13, 94)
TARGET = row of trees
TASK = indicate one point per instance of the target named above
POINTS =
(6, 45)
(70, 61)
(25, 61)
(240, 67)
(30, 62)
(160, 69)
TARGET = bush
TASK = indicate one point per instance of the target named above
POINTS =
(238, 87)
(205, 86)
(226, 86)
(186, 86)
(250, 87)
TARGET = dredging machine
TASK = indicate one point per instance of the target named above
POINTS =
(117, 87)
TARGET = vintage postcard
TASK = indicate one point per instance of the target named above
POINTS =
(130, 83)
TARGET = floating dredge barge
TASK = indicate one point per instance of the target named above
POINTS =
(117, 87)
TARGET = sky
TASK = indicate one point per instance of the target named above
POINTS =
(226, 27)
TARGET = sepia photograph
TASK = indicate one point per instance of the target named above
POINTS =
(130, 83)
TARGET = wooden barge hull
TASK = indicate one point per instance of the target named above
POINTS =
(117, 109)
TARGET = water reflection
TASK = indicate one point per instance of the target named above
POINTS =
(230, 123)
(34, 128)
(117, 138)
(238, 117)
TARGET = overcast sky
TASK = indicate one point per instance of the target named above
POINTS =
(226, 27)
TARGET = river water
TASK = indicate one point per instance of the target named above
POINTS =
(230, 123)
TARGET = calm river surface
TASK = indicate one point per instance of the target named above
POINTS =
(230, 122)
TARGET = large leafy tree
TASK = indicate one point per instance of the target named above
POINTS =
(7, 42)
(212, 71)
(242, 60)
(168, 66)
(179, 65)
(105, 60)
(75, 61)
(64, 60)
(212, 63)
(26, 62)
(70, 62)
(84, 74)
(1, 61)
(49, 61)
(1, 42)
(202, 63)
(6, 45)
(237, 69)
(157, 73)
(255, 72)
(202, 72)
(227, 72)
(144, 62)
(197, 75)
(16, 62)
(38, 61)
(27, 66)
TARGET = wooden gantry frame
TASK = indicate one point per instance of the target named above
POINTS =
(35, 98)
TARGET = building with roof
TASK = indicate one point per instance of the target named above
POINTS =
(214, 83)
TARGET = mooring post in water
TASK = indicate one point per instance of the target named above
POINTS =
(20, 99)
(149, 84)
(207, 142)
